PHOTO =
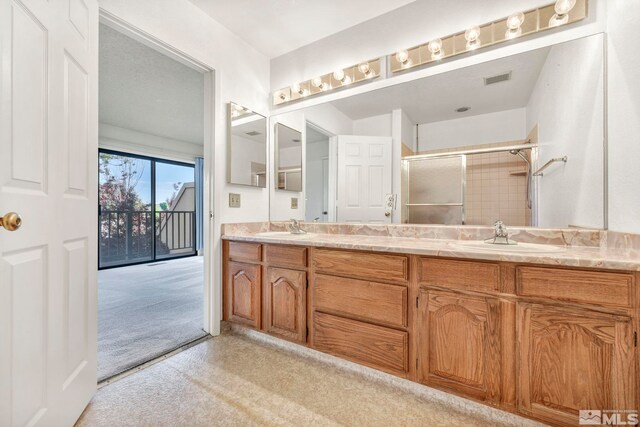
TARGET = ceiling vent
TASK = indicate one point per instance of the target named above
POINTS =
(497, 79)
(253, 133)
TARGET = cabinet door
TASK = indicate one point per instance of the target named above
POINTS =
(571, 360)
(242, 293)
(458, 343)
(286, 303)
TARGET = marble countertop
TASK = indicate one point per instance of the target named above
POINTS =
(573, 256)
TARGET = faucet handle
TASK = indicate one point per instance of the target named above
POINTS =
(501, 229)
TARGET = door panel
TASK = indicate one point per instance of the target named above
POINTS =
(285, 296)
(243, 293)
(48, 131)
(364, 178)
(573, 359)
(458, 344)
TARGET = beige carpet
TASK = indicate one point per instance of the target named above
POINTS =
(147, 310)
(232, 380)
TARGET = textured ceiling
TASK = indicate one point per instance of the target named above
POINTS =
(144, 90)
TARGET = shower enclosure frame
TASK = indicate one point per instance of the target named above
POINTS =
(406, 205)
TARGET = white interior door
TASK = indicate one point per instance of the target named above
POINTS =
(325, 189)
(48, 175)
(364, 178)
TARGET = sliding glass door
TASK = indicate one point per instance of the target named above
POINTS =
(146, 209)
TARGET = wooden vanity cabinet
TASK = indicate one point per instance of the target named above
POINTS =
(285, 297)
(571, 359)
(458, 343)
(541, 341)
(242, 293)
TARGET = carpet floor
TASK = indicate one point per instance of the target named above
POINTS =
(232, 380)
(145, 311)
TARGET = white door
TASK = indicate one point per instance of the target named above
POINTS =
(48, 175)
(364, 179)
(325, 189)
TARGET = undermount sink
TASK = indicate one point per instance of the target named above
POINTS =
(519, 248)
(285, 234)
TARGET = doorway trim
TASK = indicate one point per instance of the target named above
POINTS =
(212, 299)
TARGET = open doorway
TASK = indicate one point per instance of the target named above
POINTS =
(151, 190)
(317, 143)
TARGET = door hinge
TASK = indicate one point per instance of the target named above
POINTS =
(635, 339)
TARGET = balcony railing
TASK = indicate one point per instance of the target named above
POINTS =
(127, 236)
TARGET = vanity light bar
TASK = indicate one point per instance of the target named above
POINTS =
(518, 24)
(364, 71)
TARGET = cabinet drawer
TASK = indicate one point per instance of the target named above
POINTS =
(288, 256)
(602, 288)
(370, 345)
(376, 302)
(245, 251)
(467, 275)
(361, 264)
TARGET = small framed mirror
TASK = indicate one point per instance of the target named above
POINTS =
(288, 159)
(247, 147)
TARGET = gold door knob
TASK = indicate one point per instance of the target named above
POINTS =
(11, 221)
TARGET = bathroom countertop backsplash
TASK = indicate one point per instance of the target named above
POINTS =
(582, 247)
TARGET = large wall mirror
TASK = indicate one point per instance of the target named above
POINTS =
(520, 138)
(247, 147)
(288, 164)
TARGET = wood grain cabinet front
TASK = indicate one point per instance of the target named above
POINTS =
(242, 293)
(458, 343)
(574, 359)
(286, 303)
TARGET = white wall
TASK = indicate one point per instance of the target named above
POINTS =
(408, 132)
(567, 104)
(413, 24)
(131, 141)
(502, 126)
(373, 126)
(242, 76)
(624, 115)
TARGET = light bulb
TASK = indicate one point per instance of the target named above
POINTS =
(515, 21)
(282, 96)
(402, 56)
(317, 82)
(346, 80)
(295, 87)
(472, 34)
(435, 47)
(364, 68)
(563, 7)
(338, 75)
(557, 20)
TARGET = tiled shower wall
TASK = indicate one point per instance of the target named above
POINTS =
(496, 186)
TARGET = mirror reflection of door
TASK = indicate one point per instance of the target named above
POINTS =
(317, 174)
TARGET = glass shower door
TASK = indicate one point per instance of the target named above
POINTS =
(435, 190)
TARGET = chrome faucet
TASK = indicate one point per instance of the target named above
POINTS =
(500, 236)
(294, 227)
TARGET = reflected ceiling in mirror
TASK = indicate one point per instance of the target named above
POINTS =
(497, 122)
(247, 147)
